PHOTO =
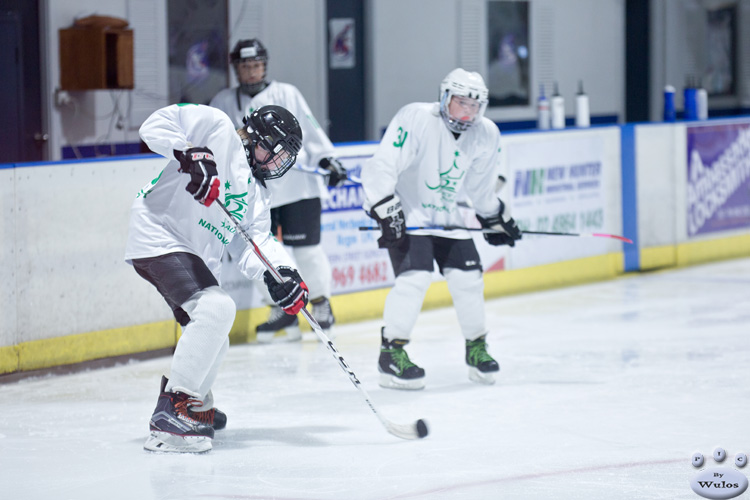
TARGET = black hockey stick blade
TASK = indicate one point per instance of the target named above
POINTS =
(409, 431)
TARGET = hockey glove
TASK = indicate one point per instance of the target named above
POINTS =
(508, 231)
(290, 295)
(337, 174)
(388, 213)
(204, 179)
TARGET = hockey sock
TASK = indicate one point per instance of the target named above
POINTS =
(404, 302)
(315, 269)
(211, 313)
(467, 292)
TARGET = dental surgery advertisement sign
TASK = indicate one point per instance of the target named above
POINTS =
(718, 178)
(357, 263)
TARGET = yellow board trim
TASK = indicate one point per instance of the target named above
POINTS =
(8, 359)
(658, 257)
(695, 252)
(71, 349)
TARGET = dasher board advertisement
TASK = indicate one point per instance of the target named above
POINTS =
(718, 178)
(561, 182)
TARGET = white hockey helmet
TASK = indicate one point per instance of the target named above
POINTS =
(460, 82)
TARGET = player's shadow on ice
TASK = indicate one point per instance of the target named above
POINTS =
(298, 436)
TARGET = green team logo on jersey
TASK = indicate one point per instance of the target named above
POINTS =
(236, 204)
(448, 184)
(145, 190)
(401, 139)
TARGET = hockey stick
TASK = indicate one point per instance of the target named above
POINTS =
(407, 431)
(324, 172)
(485, 230)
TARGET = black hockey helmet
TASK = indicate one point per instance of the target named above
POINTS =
(276, 131)
(248, 50)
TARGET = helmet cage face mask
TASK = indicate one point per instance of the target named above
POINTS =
(278, 161)
(276, 133)
(461, 83)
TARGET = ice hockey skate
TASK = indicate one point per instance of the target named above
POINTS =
(481, 365)
(278, 320)
(321, 311)
(172, 428)
(396, 369)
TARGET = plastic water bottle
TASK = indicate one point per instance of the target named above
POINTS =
(558, 109)
(542, 110)
(702, 104)
(583, 119)
(669, 110)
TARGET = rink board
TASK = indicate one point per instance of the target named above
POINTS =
(690, 214)
(70, 297)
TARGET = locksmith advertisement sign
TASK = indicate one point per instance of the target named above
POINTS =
(718, 178)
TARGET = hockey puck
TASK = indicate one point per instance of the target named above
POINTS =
(421, 428)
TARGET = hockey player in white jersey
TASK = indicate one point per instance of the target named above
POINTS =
(430, 155)
(295, 199)
(176, 240)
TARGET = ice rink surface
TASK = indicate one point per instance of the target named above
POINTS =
(606, 391)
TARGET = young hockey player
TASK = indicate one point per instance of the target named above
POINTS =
(176, 240)
(296, 199)
(431, 154)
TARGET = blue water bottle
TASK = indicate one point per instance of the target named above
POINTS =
(691, 101)
(669, 111)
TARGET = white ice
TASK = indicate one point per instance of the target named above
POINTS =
(606, 391)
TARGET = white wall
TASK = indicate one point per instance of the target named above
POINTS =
(86, 119)
(411, 46)
(576, 40)
(677, 50)
(8, 300)
(294, 33)
(571, 40)
(292, 30)
(66, 239)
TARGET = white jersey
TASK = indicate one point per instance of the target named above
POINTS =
(165, 218)
(420, 160)
(295, 185)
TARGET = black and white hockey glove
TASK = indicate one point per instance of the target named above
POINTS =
(388, 213)
(337, 174)
(290, 295)
(204, 179)
(508, 231)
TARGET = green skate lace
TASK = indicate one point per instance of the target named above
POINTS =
(401, 358)
(478, 352)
